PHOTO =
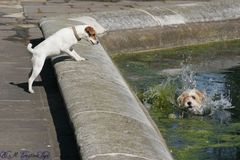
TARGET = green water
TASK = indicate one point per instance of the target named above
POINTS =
(217, 69)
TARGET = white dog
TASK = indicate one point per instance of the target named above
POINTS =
(192, 99)
(61, 41)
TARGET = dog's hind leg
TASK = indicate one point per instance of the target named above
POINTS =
(37, 67)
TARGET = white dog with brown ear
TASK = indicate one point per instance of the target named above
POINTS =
(192, 99)
(59, 42)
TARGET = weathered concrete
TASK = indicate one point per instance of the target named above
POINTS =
(171, 25)
(109, 122)
(176, 14)
(27, 128)
(143, 39)
(33, 126)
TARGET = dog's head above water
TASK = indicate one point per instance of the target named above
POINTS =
(192, 100)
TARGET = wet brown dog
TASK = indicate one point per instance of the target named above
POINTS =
(192, 99)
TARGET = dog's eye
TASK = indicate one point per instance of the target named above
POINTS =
(193, 97)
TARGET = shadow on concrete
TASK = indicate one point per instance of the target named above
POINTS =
(24, 85)
(69, 149)
(61, 58)
(65, 134)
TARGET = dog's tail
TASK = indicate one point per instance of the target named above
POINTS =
(29, 47)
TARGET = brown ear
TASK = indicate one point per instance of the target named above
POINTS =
(89, 29)
(179, 100)
(200, 94)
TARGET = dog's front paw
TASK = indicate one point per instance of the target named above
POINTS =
(81, 59)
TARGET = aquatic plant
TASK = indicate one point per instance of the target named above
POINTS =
(161, 96)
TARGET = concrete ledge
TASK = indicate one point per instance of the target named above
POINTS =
(109, 122)
(164, 15)
(163, 26)
(134, 40)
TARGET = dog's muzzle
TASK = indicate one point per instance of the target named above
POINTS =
(94, 42)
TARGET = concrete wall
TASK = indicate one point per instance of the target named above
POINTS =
(134, 40)
(109, 121)
(164, 26)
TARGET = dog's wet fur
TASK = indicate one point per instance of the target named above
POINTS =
(192, 100)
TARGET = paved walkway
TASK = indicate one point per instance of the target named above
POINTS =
(28, 121)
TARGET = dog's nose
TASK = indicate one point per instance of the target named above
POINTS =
(97, 42)
(189, 103)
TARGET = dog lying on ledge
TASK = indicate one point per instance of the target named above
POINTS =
(59, 42)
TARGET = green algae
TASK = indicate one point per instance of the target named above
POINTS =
(188, 138)
(191, 137)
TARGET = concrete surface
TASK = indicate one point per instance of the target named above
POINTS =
(144, 39)
(27, 127)
(109, 122)
(164, 14)
(172, 24)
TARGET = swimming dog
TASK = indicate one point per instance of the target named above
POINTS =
(59, 42)
(192, 100)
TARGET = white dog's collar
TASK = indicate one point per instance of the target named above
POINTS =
(75, 33)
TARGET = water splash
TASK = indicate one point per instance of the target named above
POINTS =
(187, 77)
(214, 87)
